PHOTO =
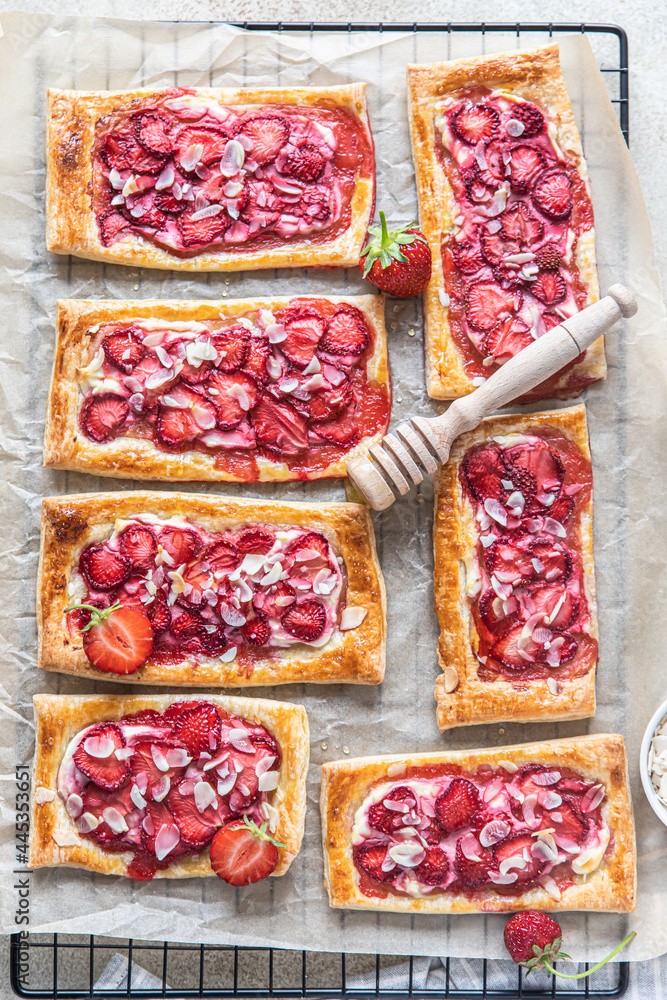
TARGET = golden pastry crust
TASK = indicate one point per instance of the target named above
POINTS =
(58, 718)
(356, 656)
(65, 447)
(534, 75)
(611, 888)
(71, 223)
(474, 701)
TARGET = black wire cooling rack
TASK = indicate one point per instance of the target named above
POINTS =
(65, 967)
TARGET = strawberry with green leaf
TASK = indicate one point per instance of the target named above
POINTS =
(243, 853)
(118, 639)
(534, 940)
(397, 261)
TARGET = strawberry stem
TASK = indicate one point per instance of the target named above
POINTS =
(257, 831)
(582, 975)
(97, 615)
(385, 232)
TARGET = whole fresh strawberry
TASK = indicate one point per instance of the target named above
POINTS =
(242, 852)
(534, 939)
(398, 261)
(118, 639)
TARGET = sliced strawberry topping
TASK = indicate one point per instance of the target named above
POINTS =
(152, 762)
(549, 258)
(346, 332)
(343, 430)
(519, 847)
(170, 205)
(240, 856)
(196, 827)
(259, 351)
(554, 563)
(483, 471)
(495, 155)
(519, 223)
(492, 612)
(222, 555)
(559, 607)
(145, 214)
(495, 247)
(96, 757)
(549, 287)
(159, 832)
(183, 414)
(180, 544)
(457, 805)
(103, 568)
(235, 394)
(111, 224)
(279, 426)
(97, 801)
(256, 631)
(567, 820)
(102, 415)
(516, 651)
(306, 163)
(525, 163)
(121, 151)
(232, 346)
(542, 463)
(305, 621)
(269, 134)
(389, 820)
(530, 117)
(467, 256)
(272, 602)
(433, 870)
(123, 349)
(199, 728)
(472, 873)
(139, 545)
(255, 540)
(304, 328)
(203, 231)
(487, 303)
(552, 194)
(507, 340)
(562, 509)
(326, 402)
(212, 141)
(308, 548)
(475, 123)
(159, 614)
(154, 134)
(370, 857)
(187, 625)
(509, 562)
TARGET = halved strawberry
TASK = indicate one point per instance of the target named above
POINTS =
(102, 415)
(562, 509)
(552, 194)
(103, 568)
(530, 117)
(222, 555)
(235, 394)
(343, 430)
(243, 853)
(198, 728)
(483, 470)
(369, 856)
(123, 348)
(202, 232)
(306, 163)
(180, 544)
(139, 545)
(305, 621)
(187, 625)
(487, 303)
(279, 427)
(328, 401)
(346, 332)
(433, 870)
(549, 287)
(120, 640)
(256, 631)
(304, 328)
(457, 805)
(96, 756)
(121, 151)
(549, 257)
(525, 163)
(268, 133)
(555, 563)
(507, 340)
(510, 560)
(473, 123)
(273, 602)
(159, 614)
(232, 345)
(520, 846)
(212, 140)
(154, 133)
(111, 224)
(259, 351)
(389, 820)
(519, 223)
(255, 540)
(472, 874)
(467, 256)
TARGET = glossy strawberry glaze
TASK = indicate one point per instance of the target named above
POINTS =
(209, 161)
(174, 795)
(478, 175)
(215, 595)
(557, 812)
(325, 406)
(525, 579)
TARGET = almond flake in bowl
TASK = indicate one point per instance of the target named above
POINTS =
(653, 763)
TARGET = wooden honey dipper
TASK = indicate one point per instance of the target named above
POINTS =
(417, 446)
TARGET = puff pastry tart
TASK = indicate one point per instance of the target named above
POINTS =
(210, 180)
(504, 202)
(238, 592)
(545, 826)
(244, 391)
(138, 786)
(514, 579)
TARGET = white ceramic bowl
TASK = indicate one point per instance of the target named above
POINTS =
(656, 804)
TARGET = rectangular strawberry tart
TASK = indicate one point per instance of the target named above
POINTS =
(546, 826)
(181, 589)
(158, 787)
(235, 391)
(505, 205)
(514, 577)
(210, 180)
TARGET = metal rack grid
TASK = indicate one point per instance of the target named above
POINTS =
(234, 980)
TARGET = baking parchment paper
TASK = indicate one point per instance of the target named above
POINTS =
(628, 442)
